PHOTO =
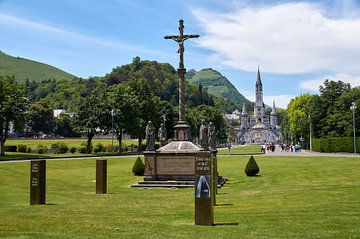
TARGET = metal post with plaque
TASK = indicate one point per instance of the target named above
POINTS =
(37, 182)
(101, 176)
(204, 210)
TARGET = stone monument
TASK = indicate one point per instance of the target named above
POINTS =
(173, 165)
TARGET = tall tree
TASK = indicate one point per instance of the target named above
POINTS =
(40, 117)
(93, 113)
(12, 106)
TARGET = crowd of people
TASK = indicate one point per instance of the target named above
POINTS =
(290, 147)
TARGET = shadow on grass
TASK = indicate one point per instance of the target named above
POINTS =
(226, 224)
(224, 204)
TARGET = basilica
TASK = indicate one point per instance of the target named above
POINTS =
(260, 128)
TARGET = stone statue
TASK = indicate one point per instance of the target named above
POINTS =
(162, 135)
(203, 135)
(150, 137)
(212, 136)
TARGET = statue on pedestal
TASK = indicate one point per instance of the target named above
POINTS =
(212, 136)
(162, 135)
(150, 137)
(203, 135)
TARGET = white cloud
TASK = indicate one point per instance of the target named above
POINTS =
(313, 85)
(284, 38)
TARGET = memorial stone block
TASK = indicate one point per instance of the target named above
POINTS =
(204, 189)
(37, 182)
(101, 176)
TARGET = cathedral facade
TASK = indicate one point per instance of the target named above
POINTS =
(260, 128)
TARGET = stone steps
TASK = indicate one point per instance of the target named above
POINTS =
(172, 184)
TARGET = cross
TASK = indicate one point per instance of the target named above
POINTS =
(182, 129)
(180, 40)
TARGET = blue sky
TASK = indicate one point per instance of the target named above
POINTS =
(297, 44)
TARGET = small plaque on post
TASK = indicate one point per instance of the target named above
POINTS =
(37, 182)
(101, 176)
(204, 189)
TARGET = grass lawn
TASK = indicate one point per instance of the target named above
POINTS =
(71, 142)
(294, 197)
(243, 149)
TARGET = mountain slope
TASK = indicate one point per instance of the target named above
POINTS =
(217, 85)
(24, 69)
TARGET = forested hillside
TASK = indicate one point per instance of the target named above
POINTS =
(217, 85)
(23, 69)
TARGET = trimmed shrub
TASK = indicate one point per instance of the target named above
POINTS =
(108, 148)
(73, 149)
(251, 168)
(139, 167)
(29, 150)
(22, 148)
(339, 144)
(99, 147)
(83, 148)
(61, 148)
(10, 148)
(41, 149)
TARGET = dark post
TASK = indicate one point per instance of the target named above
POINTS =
(37, 182)
(204, 195)
(101, 176)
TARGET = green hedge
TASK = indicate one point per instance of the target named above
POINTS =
(330, 145)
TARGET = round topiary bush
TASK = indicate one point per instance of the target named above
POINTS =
(41, 149)
(139, 167)
(99, 147)
(251, 168)
(61, 148)
(22, 148)
(72, 149)
(29, 150)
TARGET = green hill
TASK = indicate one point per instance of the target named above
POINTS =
(217, 85)
(24, 69)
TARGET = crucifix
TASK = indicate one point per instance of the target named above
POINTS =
(181, 127)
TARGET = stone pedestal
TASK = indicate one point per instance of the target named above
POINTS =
(37, 182)
(173, 165)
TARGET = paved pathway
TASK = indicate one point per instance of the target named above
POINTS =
(303, 153)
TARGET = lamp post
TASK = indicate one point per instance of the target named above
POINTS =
(112, 131)
(353, 107)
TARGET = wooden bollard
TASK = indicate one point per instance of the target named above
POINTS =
(37, 182)
(101, 176)
(204, 186)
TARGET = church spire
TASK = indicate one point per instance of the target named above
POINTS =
(258, 81)
(273, 111)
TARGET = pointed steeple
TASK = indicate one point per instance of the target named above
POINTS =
(273, 111)
(258, 81)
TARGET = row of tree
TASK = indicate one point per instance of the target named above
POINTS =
(123, 100)
(326, 115)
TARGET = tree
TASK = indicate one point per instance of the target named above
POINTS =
(63, 126)
(92, 114)
(209, 114)
(12, 106)
(40, 117)
(298, 113)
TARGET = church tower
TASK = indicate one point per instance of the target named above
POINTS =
(244, 117)
(259, 108)
(274, 116)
